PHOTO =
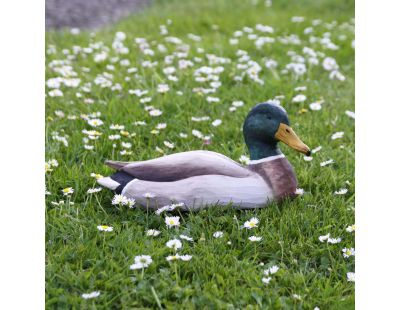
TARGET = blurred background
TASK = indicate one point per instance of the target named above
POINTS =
(89, 14)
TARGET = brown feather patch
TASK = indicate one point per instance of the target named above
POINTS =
(279, 175)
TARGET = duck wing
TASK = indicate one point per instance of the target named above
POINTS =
(181, 166)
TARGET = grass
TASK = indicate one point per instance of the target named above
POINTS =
(81, 259)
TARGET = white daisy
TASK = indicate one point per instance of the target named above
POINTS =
(161, 210)
(169, 144)
(155, 112)
(97, 176)
(95, 122)
(47, 167)
(53, 162)
(172, 221)
(162, 88)
(56, 93)
(315, 106)
(298, 19)
(105, 228)
(67, 191)
(271, 270)
(119, 200)
(244, 159)
(351, 277)
(237, 104)
(173, 257)
(254, 238)
(149, 195)
(126, 145)
(114, 137)
(141, 262)
(217, 122)
(323, 238)
(299, 98)
(218, 234)
(317, 149)
(266, 280)
(152, 232)
(329, 64)
(91, 295)
(334, 240)
(351, 228)
(337, 135)
(136, 266)
(175, 244)
(117, 127)
(328, 162)
(341, 191)
(347, 252)
(252, 223)
(351, 114)
(93, 190)
(212, 99)
(184, 237)
(161, 126)
(197, 134)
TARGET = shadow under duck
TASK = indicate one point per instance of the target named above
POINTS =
(204, 178)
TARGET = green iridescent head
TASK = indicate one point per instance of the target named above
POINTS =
(267, 124)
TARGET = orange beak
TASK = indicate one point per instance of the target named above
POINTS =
(289, 137)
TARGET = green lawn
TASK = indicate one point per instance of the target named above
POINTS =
(226, 272)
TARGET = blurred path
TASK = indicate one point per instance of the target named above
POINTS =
(88, 14)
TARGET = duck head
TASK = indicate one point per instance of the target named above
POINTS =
(267, 124)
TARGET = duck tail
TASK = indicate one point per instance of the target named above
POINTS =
(116, 182)
(117, 165)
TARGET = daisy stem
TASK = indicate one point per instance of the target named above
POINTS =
(330, 254)
(156, 297)
(176, 274)
(275, 74)
(255, 252)
(180, 214)
(142, 274)
(281, 244)
(97, 199)
(147, 213)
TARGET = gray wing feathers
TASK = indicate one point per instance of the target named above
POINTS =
(182, 165)
(117, 165)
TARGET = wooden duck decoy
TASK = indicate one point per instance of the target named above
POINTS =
(204, 178)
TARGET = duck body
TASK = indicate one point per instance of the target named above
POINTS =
(202, 178)
(198, 179)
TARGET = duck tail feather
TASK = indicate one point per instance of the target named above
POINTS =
(117, 165)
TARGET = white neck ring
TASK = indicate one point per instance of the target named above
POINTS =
(266, 159)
